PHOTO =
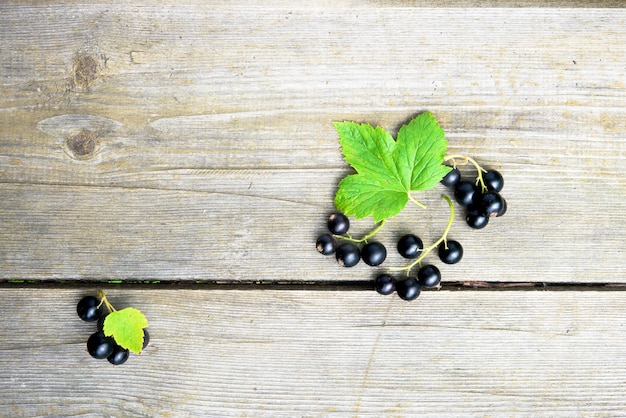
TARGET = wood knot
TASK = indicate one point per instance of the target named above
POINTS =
(82, 145)
(85, 70)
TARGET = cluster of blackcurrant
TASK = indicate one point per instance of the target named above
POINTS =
(373, 253)
(348, 253)
(481, 198)
(99, 346)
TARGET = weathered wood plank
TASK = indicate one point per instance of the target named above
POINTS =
(273, 353)
(186, 142)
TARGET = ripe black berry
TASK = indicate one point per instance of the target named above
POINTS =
(429, 276)
(409, 246)
(100, 323)
(326, 244)
(118, 356)
(100, 346)
(348, 254)
(464, 193)
(385, 284)
(503, 210)
(408, 289)
(491, 203)
(373, 253)
(493, 180)
(476, 218)
(338, 223)
(452, 178)
(88, 308)
(146, 338)
(452, 254)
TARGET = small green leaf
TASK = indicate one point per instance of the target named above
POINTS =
(388, 170)
(126, 326)
(361, 196)
(419, 153)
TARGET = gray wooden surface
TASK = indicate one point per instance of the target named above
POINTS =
(195, 142)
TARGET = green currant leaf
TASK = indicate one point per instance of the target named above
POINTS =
(388, 170)
(126, 326)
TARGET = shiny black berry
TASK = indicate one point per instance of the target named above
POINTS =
(99, 346)
(491, 202)
(348, 255)
(338, 224)
(429, 276)
(326, 244)
(408, 289)
(476, 218)
(409, 246)
(452, 178)
(118, 356)
(373, 253)
(464, 193)
(100, 323)
(493, 180)
(503, 210)
(146, 338)
(452, 254)
(385, 284)
(89, 309)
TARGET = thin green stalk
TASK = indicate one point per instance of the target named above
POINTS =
(365, 238)
(467, 159)
(104, 300)
(434, 245)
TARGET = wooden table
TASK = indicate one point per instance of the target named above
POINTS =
(160, 152)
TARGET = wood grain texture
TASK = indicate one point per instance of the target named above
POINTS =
(195, 142)
(302, 353)
(144, 141)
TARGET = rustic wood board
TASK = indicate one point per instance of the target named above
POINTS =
(303, 353)
(196, 142)
(145, 142)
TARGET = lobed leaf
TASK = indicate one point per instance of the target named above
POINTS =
(420, 151)
(361, 196)
(126, 327)
(388, 170)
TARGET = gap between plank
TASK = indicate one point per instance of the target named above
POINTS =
(318, 285)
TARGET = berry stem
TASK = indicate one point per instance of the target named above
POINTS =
(104, 300)
(412, 199)
(365, 238)
(470, 160)
(434, 245)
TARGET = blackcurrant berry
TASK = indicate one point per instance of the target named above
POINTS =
(118, 356)
(452, 178)
(464, 193)
(338, 223)
(493, 180)
(373, 253)
(88, 308)
(385, 284)
(503, 210)
(146, 338)
(326, 244)
(409, 246)
(429, 276)
(476, 218)
(348, 254)
(452, 254)
(99, 346)
(408, 289)
(100, 323)
(491, 203)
